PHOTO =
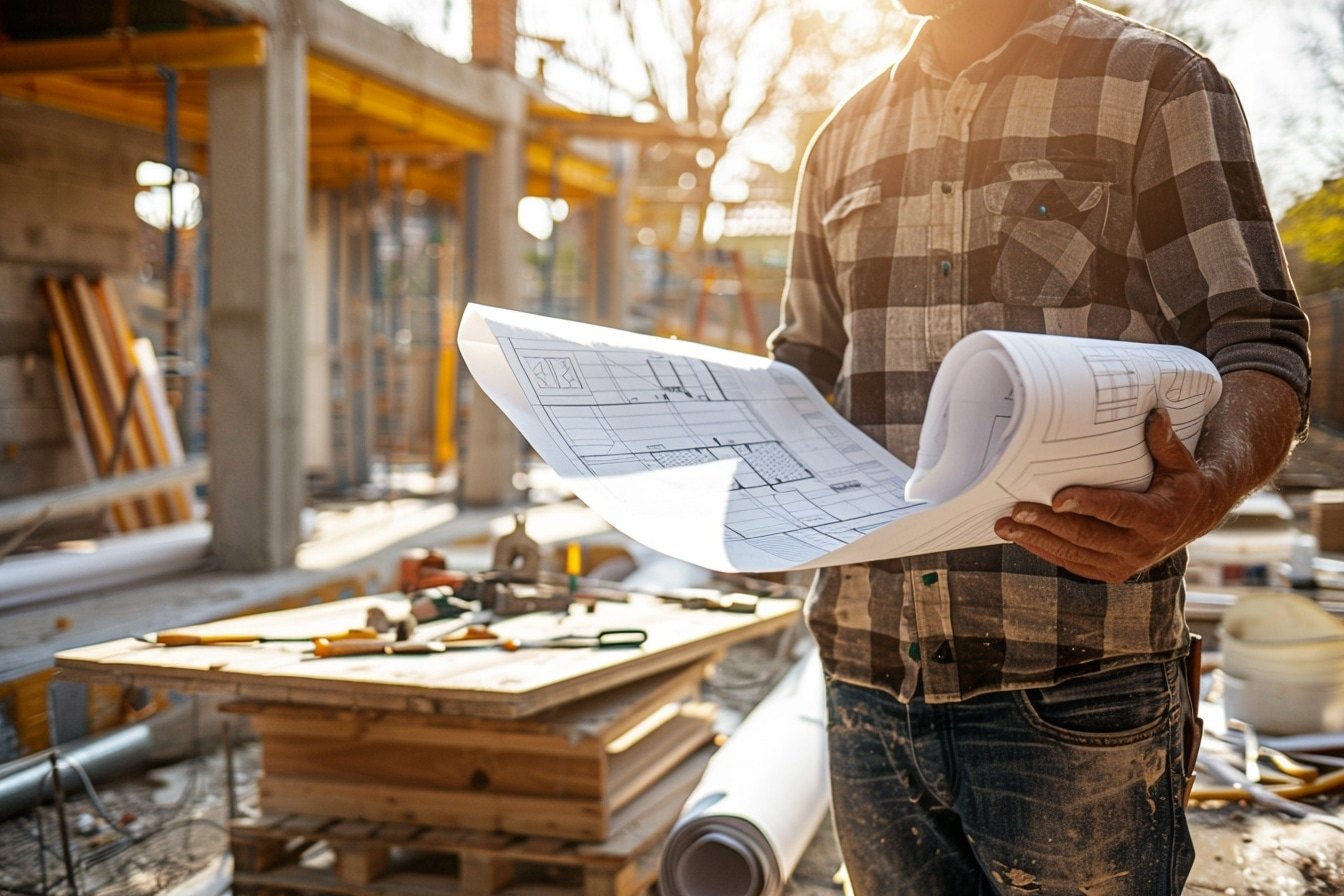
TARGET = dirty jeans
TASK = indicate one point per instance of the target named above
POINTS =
(1071, 789)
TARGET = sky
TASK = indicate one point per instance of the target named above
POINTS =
(1259, 44)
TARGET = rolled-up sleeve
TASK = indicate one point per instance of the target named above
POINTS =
(811, 332)
(1208, 236)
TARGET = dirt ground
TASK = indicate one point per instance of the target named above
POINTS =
(145, 833)
(1239, 852)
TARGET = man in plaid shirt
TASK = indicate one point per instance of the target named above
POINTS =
(1008, 719)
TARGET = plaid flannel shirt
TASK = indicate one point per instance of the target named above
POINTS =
(1091, 177)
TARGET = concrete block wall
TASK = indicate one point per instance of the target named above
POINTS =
(67, 193)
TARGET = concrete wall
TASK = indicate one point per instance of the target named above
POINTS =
(67, 193)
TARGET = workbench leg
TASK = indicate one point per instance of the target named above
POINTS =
(483, 875)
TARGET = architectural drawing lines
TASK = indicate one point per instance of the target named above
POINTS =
(732, 462)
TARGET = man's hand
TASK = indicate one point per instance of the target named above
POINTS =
(1110, 534)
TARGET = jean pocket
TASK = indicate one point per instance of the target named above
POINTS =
(1047, 217)
(1112, 708)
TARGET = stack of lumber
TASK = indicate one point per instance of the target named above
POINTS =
(113, 398)
(477, 770)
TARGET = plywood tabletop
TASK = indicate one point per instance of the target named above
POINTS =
(486, 682)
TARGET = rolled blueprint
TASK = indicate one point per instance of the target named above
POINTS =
(734, 462)
(746, 825)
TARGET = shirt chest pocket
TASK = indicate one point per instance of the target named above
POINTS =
(1047, 217)
(860, 233)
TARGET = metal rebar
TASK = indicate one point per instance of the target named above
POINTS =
(58, 791)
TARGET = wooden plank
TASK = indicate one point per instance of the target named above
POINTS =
(304, 824)
(297, 879)
(486, 863)
(484, 876)
(485, 682)
(572, 818)
(358, 726)
(74, 423)
(148, 416)
(647, 819)
(635, 769)
(98, 424)
(92, 409)
(370, 754)
(443, 770)
(115, 377)
(632, 877)
(584, 725)
(313, 880)
(397, 834)
(610, 714)
(362, 864)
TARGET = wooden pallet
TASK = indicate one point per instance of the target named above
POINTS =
(561, 775)
(279, 853)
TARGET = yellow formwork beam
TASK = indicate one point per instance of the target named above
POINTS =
(392, 105)
(83, 97)
(240, 46)
(544, 161)
(575, 123)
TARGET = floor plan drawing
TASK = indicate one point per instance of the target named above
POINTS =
(621, 412)
(735, 462)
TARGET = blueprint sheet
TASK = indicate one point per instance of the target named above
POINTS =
(735, 463)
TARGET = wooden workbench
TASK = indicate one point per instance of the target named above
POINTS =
(482, 682)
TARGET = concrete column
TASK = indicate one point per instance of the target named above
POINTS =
(612, 247)
(610, 262)
(258, 191)
(493, 445)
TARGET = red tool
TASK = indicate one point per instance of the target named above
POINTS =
(424, 568)
(470, 636)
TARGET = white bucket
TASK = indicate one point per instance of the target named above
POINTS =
(1301, 708)
(1283, 664)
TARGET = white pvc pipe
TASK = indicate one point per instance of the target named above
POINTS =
(105, 563)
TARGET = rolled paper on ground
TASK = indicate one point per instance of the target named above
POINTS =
(747, 824)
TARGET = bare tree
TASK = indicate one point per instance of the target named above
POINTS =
(1178, 17)
(1323, 30)
(741, 73)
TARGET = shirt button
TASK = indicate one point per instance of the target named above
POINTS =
(945, 266)
(947, 187)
